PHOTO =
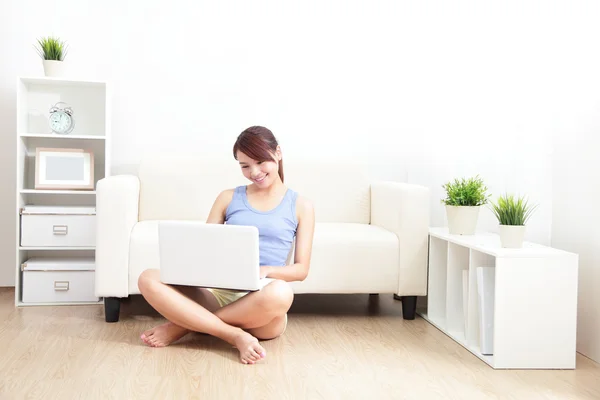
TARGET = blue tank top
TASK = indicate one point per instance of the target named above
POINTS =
(276, 227)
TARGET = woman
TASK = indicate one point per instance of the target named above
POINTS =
(281, 215)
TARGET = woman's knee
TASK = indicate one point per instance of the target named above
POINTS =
(280, 293)
(147, 278)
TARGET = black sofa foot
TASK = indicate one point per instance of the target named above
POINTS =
(112, 308)
(409, 307)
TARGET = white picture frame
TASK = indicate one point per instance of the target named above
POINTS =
(64, 169)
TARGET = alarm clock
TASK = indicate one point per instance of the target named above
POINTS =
(61, 118)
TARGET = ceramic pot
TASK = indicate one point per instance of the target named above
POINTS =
(512, 236)
(462, 220)
(54, 68)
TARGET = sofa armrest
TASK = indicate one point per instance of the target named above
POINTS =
(403, 208)
(117, 206)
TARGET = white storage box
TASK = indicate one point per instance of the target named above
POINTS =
(58, 226)
(58, 280)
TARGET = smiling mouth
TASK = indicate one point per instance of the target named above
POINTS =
(261, 178)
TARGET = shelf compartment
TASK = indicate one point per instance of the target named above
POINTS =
(477, 259)
(28, 177)
(458, 261)
(56, 197)
(438, 261)
(35, 97)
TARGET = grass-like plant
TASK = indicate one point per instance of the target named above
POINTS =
(51, 48)
(466, 192)
(511, 210)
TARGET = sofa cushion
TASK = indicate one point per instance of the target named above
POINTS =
(346, 258)
(351, 258)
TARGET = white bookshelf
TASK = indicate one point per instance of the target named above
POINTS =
(90, 103)
(534, 309)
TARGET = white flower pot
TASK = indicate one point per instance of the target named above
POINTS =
(462, 220)
(512, 236)
(54, 68)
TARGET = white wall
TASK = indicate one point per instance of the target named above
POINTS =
(427, 91)
(576, 218)
(576, 183)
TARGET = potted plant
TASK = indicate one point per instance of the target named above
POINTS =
(512, 214)
(53, 52)
(464, 198)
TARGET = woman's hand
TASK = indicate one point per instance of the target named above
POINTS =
(264, 271)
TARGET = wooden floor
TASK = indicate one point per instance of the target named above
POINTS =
(335, 347)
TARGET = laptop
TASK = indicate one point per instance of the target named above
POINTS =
(193, 253)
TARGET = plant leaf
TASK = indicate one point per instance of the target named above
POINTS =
(512, 211)
(51, 48)
(466, 192)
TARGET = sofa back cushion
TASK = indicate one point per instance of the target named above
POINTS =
(339, 191)
(183, 187)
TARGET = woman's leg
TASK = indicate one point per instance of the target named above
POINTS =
(167, 333)
(261, 313)
(188, 314)
(270, 331)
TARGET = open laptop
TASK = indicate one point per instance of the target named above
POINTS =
(194, 253)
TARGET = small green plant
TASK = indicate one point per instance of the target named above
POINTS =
(465, 192)
(51, 48)
(512, 211)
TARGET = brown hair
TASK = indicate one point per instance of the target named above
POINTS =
(258, 143)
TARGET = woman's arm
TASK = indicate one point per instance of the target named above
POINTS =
(298, 271)
(217, 212)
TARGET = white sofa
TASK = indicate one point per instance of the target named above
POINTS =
(370, 237)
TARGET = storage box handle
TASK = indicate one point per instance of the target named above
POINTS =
(61, 286)
(60, 229)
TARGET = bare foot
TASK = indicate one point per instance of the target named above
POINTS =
(163, 335)
(250, 350)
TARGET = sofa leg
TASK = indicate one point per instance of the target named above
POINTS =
(112, 307)
(409, 307)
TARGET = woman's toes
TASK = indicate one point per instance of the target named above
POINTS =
(259, 350)
(146, 338)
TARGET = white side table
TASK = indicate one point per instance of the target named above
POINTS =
(532, 310)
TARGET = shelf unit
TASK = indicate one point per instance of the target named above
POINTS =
(534, 292)
(90, 103)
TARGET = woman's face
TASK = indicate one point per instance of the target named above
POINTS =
(261, 173)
